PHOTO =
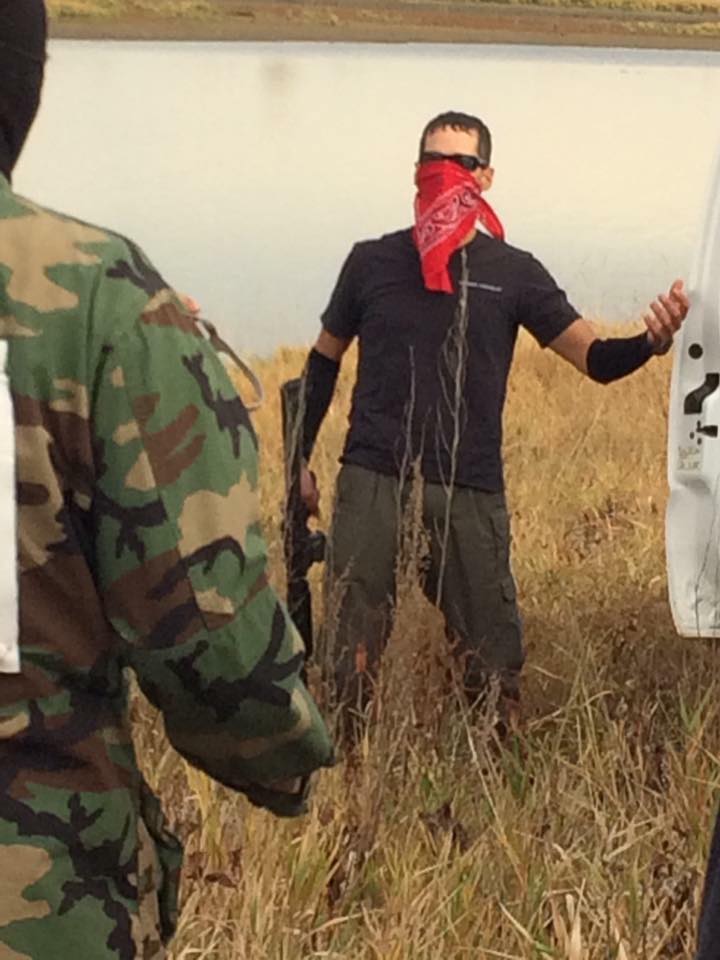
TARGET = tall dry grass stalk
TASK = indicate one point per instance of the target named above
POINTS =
(585, 838)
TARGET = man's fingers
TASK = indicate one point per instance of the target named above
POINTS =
(654, 328)
(682, 300)
(667, 314)
(309, 491)
(679, 299)
(664, 320)
(674, 311)
(678, 288)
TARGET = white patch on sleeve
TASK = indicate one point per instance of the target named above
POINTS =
(9, 648)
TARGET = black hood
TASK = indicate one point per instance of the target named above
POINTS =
(23, 35)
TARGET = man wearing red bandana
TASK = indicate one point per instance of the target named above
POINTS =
(448, 206)
(436, 310)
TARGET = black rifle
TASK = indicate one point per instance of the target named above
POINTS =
(302, 546)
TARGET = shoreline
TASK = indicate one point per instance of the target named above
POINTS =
(397, 22)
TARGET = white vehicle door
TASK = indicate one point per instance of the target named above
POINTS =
(9, 651)
(693, 515)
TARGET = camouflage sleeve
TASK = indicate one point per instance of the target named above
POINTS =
(181, 562)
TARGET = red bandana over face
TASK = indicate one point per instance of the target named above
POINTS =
(447, 205)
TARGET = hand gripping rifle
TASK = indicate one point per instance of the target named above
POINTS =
(302, 546)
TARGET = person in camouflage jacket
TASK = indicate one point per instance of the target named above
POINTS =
(138, 545)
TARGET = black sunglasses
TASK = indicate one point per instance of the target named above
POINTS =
(464, 160)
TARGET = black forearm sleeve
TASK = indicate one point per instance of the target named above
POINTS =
(609, 360)
(320, 374)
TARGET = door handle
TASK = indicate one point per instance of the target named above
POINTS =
(697, 397)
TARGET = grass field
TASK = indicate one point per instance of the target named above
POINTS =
(123, 8)
(204, 9)
(585, 838)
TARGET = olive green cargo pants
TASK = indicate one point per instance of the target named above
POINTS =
(474, 587)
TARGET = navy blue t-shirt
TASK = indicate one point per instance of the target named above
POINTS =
(430, 384)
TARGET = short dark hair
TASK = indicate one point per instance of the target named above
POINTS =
(460, 121)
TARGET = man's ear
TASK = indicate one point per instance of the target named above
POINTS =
(486, 178)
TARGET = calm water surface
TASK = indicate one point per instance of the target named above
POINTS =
(246, 171)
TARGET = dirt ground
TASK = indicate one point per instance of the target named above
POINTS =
(397, 22)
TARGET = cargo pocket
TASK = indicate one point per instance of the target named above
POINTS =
(509, 631)
(500, 524)
(355, 488)
(508, 589)
(353, 494)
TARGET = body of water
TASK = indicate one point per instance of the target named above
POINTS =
(246, 171)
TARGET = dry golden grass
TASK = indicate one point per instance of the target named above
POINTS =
(207, 9)
(103, 9)
(583, 840)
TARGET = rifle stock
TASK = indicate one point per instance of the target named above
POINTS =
(302, 546)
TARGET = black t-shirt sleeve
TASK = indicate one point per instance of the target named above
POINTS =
(341, 317)
(543, 308)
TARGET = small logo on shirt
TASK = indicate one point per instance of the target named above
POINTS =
(476, 285)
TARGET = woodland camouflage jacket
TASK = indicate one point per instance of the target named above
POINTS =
(138, 545)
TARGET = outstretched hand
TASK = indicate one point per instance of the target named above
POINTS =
(666, 316)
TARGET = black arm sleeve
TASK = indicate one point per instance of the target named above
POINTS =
(341, 318)
(320, 375)
(609, 360)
